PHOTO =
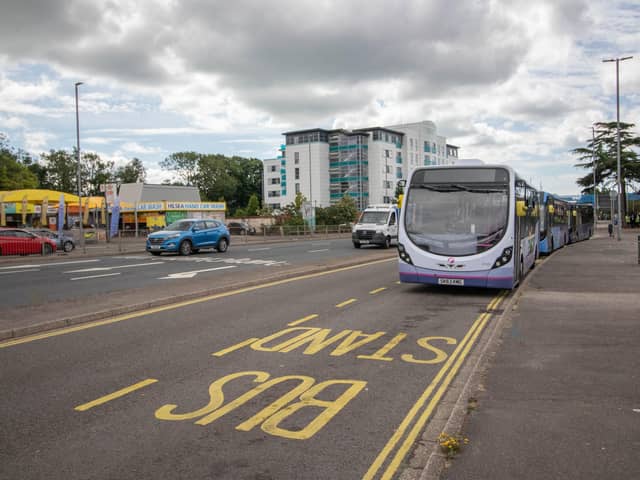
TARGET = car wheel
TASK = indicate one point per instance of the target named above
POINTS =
(356, 245)
(185, 248)
(67, 246)
(47, 249)
(222, 246)
(387, 242)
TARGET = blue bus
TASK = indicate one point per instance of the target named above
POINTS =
(581, 224)
(471, 226)
(554, 223)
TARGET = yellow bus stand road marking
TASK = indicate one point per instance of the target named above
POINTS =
(112, 396)
(302, 320)
(446, 374)
(173, 306)
(433, 403)
(346, 302)
(377, 290)
(235, 347)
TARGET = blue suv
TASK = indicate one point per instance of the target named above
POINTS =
(188, 236)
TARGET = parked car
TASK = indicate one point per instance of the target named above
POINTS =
(189, 236)
(63, 241)
(17, 241)
(241, 228)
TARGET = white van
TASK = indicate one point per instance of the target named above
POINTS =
(377, 225)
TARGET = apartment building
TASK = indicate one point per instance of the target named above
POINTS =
(366, 163)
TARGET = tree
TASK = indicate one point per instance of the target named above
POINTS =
(604, 148)
(94, 172)
(61, 171)
(234, 179)
(132, 172)
(344, 211)
(184, 164)
(14, 168)
(292, 213)
(253, 206)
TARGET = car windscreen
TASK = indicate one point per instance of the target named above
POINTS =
(456, 219)
(379, 218)
(180, 225)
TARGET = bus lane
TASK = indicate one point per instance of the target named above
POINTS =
(327, 377)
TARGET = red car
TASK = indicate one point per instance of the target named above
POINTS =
(15, 241)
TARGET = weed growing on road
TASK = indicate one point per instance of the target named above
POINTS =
(451, 444)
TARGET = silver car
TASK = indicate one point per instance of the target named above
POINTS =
(64, 242)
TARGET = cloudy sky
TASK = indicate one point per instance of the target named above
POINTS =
(514, 81)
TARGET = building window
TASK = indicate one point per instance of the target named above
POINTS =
(296, 157)
(273, 168)
(297, 174)
(297, 188)
(387, 154)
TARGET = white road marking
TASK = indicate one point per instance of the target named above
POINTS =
(96, 276)
(46, 264)
(104, 269)
(315, 251)
(192, 273)
(20, 271)
(258, 249)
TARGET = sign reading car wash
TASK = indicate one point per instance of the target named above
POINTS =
(193, 206)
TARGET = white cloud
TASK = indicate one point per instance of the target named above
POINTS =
(135, 147)
(517, 81)
(37, 141)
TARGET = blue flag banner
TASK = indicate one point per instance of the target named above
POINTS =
(61, 214)
(115, 218)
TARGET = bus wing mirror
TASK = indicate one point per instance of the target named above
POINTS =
(521, 209)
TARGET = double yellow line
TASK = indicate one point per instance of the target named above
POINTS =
(409, 429)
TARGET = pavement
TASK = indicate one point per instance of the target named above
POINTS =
(558, 394)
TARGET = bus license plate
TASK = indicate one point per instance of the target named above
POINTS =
(451, 281)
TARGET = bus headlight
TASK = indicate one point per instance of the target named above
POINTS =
(504, 258)
(404, 256)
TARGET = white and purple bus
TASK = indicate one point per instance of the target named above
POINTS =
(472, 226)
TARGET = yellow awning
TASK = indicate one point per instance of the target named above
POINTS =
(36, 196)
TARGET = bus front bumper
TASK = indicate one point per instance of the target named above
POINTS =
(494, 278)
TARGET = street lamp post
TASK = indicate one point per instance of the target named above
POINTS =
(595, 194)
(619, 179)
(78, 168)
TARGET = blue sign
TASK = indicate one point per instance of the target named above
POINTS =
(115, 218)
(61, 214)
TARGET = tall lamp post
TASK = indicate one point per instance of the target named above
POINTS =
(619, 179)
(78, 168)
(595, 194)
